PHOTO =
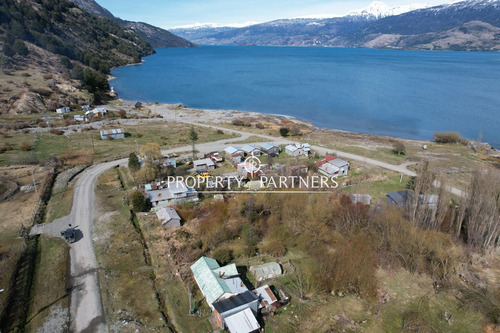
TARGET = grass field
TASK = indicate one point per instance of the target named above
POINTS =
(17, 210)
(89, 144)
(126, 276)
(50, 296)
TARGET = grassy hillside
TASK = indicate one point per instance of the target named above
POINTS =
(81, 48)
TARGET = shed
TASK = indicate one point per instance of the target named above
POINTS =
(64, 109)
(242, 322)
(266, 297)
(270, 149)
(247, 300)
(204, 164)
(169, 217)
(138, 105)
(251, 150)
(266, 271)
(399, 198)
(118, 133)
(79, 117)
(365, 199)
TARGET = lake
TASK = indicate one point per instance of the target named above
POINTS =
(408, 94)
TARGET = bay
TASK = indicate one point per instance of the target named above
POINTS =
(408, 94)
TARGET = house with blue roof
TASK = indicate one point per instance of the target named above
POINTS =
(215, 282)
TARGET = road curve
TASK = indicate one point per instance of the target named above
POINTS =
(87, 314)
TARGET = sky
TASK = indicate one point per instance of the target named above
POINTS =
(174, 13)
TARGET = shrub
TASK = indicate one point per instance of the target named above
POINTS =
(133, 162)
(260, 126)
(447, 137)
(223, 255)
(6, 147)
(122, 114)
(284, 131)
(139, 203)
(138, 135)
(241, 122)
(56, 131)
(219, 132)
(399, 148)
(295, 131)
(25, 146)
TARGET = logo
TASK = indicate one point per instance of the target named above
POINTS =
(252, 164)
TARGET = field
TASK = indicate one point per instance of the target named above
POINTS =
(85, 147)
(18, 209)
(126, 275)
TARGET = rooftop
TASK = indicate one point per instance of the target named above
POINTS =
(242, 322)
(235, 301)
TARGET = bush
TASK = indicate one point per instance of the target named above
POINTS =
(295, 131)
(25, 146)
(241, 122)
(399, 148)
(138, 135)
(284, 131)
(223, 255)
(133, 162)
(122, 114)
(260, 126)
(447, 137)
(139, 203)
(56, 131)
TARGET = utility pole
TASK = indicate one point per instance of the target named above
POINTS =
(34, 182)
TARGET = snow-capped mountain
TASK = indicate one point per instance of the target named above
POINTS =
(466, 25)
(378, 10)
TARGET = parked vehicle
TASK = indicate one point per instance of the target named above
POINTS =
(69, 234)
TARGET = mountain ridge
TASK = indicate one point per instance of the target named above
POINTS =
(157, 37)
(419, 29)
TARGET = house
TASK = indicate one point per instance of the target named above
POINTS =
(267, 300)
(242, 322)
(113, 134)
(235, 154)
(266, 271)
(224, 308)
(64, 109)
(79, 117)
(298, 149)
(86, 107)
(365, 199)
(334, 168)
(270, 149)
(251, 150)
(215, 282)
(204, 164)
(172, 193)
(168, 217)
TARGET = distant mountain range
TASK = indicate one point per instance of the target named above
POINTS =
(157, 37)
(472, 25)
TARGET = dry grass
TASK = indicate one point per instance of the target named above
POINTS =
(127, 288)
(16, 211)
(49, 289)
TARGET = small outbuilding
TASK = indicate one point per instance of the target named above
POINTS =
(251, 150)
(118, 133)
(266, 271)
(242, 322)
(270, 149)
(204, 164)
(365, 199)
(64, 109)
(266, 298)
(225, 308)
(169, 217)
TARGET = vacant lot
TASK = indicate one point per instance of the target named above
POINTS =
(126, 276)
(18, 209)
(83, 148)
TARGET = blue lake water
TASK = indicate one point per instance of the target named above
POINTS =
(399, 93)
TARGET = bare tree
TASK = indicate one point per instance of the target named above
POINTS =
(479, 217)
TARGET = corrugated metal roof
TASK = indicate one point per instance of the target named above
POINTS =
(249, 148)
(235, 301)
(167, 214)
(265, 295)
(205, 161)
(232, 150)
(206, 273)
(266, 271)
(268, 146)
(338, 162)
(242, 322)
(112, 131)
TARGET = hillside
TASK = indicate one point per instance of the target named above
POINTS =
(467, 25)
(157, 37)
(54, 53)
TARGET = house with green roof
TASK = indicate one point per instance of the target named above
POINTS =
(215, 282)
